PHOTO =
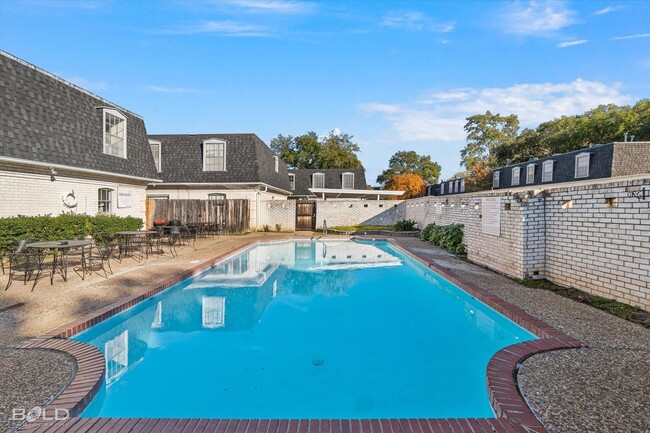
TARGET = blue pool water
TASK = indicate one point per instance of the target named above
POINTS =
(336, 329)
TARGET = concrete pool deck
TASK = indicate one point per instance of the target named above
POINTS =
(599, 388)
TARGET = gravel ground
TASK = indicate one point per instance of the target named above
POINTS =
(602, 388)
(30, 378)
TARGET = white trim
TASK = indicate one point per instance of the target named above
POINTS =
(359, 193)
(579, 156)
(530, 180)
(512, 176)
(442, 188)
(544, 165)
(119, 115)
(276, 164)
(496, 179)
(159, 143)
(66, 167)
(343, 181)
(462, 185)
(216, 185)
(225, 149)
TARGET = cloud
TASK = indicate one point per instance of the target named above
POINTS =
(163, 89)
(638, 36)
(413, 20)
(222, 28)
(273, 6)
(572, 43)
(537, 18)
(440, 116)
(608, 9)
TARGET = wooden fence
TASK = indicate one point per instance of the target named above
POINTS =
(231, 216)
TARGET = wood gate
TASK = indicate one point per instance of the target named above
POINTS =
(305, 215)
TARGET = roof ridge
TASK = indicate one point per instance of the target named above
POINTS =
(66, 82)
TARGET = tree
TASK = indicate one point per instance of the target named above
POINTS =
(412, 184)
(405, 162)
(309, 151)
(485, 134)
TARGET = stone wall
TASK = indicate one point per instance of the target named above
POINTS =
(592, 237)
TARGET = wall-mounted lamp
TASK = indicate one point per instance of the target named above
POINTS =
(52, 174)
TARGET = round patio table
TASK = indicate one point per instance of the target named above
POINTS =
(61, 249)
(128, 238)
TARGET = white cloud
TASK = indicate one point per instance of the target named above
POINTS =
(608, 10)
(223, 28)
(273, 6)
(638, 36)
(163, 89)
(413, 20)
(440, 116)
(572, 43)
(537, 18)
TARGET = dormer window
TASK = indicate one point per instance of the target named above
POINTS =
(516, 176)
(495, 179)
(114, 133)
(547, 171)
(530, 173)
(442, 189)
(277, 164)
(347, 181)
(582, 165)
(457, 186)
(462, 185)
(292, 182)
(214, 155)
(318, 180)
(156, 150)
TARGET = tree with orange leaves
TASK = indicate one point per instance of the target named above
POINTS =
(412, 185)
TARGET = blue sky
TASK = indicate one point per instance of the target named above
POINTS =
(397, 75)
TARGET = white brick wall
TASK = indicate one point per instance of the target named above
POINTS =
(30, 194)
(353, 212)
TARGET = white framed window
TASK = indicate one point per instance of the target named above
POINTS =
(516, 176)
(442, 188)
(156, 151)
(292, 181)
(277, 163)
(104, 200)
(547, 171)
(318, 180)
(347, 181)
(582, 165)
(530, 173)
(462, 185)
(450, 187)
(114, 133)
(214, 155)
(495, 179)
(457, 186)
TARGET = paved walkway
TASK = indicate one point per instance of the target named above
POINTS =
(603, 388)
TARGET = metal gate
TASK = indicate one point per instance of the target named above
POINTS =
(306, 215)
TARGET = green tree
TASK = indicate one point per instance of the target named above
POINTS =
(310, 151)
(485, 133)
(409, 162)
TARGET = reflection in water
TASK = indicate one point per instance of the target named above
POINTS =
(387, 339)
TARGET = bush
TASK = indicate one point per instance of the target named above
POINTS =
(278, 227)
(266, 228)
(404, 225)
(64, 226)
(449, 237)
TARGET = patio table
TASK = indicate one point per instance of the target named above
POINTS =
(61, 249)
(129, 235)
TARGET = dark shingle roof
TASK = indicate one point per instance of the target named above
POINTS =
(45, 119)
(248, 159)
(333, 178)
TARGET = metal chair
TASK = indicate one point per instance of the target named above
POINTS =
(99, 256)
(27, 263)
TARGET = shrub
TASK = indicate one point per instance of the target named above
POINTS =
(266, 228)
(64, 226)
(278, 227)
(449, 237)
(404, 225)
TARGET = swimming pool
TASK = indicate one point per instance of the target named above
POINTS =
(303, 329)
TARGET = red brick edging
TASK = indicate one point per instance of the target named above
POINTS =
(513, 414)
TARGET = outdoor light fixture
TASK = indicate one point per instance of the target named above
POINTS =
(52, 174)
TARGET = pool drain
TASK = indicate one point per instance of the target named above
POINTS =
(317, 361)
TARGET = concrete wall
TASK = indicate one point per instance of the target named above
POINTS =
(30, 193)
(592, 237)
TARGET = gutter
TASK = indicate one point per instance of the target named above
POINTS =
(266, 186)
(67, 167)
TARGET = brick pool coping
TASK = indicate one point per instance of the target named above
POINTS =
(513, 414)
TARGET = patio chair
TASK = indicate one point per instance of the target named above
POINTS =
(75, 257)
(27, 263)
(189, 233)
(99, 256)
(16, 247)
